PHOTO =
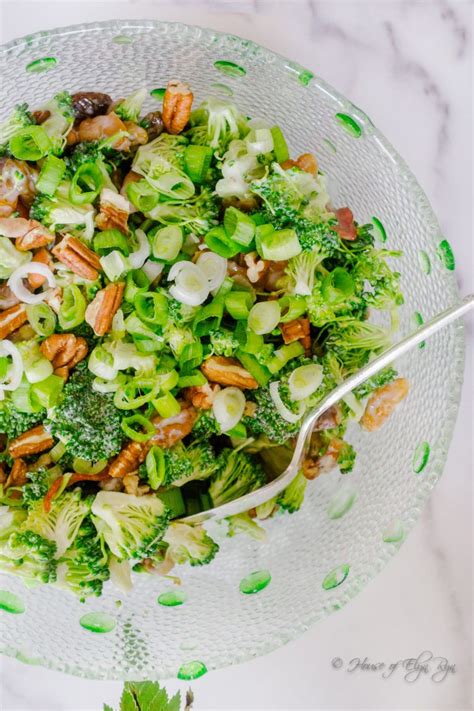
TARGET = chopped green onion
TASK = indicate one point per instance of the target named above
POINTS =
(135, 393)
(166, 405)
(73, 308)
(258, 218)
(4, 367)
(283, 355)
(239, 303)
(226, 286)
(280, 147)
(305, 380)
(239, 226)
(194, 379)
(22, 398)
(261, 374)
(106, 241)
(264, 316)
(52, 172)
(86, 184)
(47, 391)
(166, 242)
(337, 286)
(278, 245)
(259, 140)
(101, 364)
(155, 467)
(30, 143)
(152, 308)
(136, 282)
(83, 466)
(132, 427)
(142, 333)
(209, 317)
(175, 185)
(292, 307)
(57, 451)
(174, 502)
(239, 431)
(197, 160)
(218, 242)
(191, 357)
(168, 380)
(115, 264)
(142, 195)
(228, 407)
(42, 318)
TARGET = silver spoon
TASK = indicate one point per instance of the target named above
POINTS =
(273, 488)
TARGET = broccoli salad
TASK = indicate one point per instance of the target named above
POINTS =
(176, 292)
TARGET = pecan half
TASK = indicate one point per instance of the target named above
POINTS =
(202, 396)
(228, 371)
(64, 350)
(17, 476)
(79, 258)
(129, 459)
(114, 211)
(28, 234)
(170, 430)
(177, 103)
(43, 257)
(31, 442)
(100, 312)
(11, 319)
(3, 476)
(382, 403)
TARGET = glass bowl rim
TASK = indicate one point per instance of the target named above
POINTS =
(439, 450)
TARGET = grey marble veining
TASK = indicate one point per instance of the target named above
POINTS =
(409, 66)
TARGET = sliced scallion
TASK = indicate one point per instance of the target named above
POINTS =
(264, 317)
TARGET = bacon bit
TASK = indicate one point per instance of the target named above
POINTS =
(294, 330)
(346, 228)
(43, 257)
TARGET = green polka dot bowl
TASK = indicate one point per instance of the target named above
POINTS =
(256, 595)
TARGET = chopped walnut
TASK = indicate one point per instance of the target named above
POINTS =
(202, 396)
(256, 268)
(131, 483)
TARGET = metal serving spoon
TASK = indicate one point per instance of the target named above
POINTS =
(273, 488)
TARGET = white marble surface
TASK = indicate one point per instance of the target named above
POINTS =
(409, 65)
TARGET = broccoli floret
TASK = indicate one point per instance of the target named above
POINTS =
(223, 342)
(295, 199)
(372, 268)
(346, 457)
(38, 486)
(301, 271)
(197, 215)
(243, 523)
(13, 422)
(129, 109)
(132, 526)
(25, 553)
(321, 311)
(84, 567)
(292, 497)
(58, 211)
(184, 464)
(190, 544)
(20, 118)
(61, 524)
(206, 425)
(266, 419)
(215, 123)
(354, 341)
(87, 421)
(177, 337)
(60, 121)
(179, 313)
(377, 381)
(238, 474)
(163, 155)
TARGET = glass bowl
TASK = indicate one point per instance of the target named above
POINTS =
(349, 526)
